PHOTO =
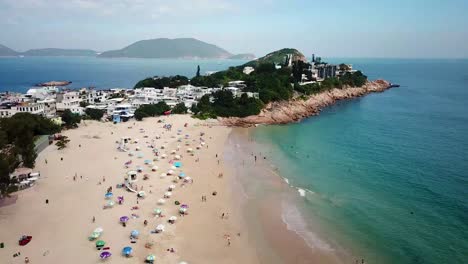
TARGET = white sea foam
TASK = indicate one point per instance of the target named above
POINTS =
(302, 192)
(295, 222)
(286, 180)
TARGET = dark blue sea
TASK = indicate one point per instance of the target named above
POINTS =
(385, 176)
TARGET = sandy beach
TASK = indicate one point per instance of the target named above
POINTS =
(75, 180)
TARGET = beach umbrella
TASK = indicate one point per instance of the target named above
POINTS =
(150, 258)
(187, 143)
(110, 203)
(147, 162)
(178, 164)
(108, 195)
(167, 194)
(187, 136)
(138, 148)
(171, 187)
(141, 194)
(127, 251)
(181, 175)
(173, 151)
(161, 201)
(190, 150)
(134, 233)
(95, 235)
(182, 210)
(163, 156)
(173, 167)
(98, 230)
(183, 262)
(172, 218)
(202, 143)
(187, 179)
(178, 147)
(100, 243)
(163, 175)
(199, 147)
(131, 153)
(177, 157)
(140, 155)
(170, 172)
(154, 168)
(131, 173)
(105, 254)
(124, 219)
(157, 211)
(139, 169)
(163, 147)
(160, 228)
(184, 206)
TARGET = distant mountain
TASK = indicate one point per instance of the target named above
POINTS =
(60, 52)
(278, 57)
(243, 56)
(169, 48)
(5, 51)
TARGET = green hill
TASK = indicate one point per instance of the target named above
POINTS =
(59, 52)
(169, 48)
(277, 57)
(5, 51)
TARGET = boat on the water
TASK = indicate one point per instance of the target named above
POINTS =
(393, 85)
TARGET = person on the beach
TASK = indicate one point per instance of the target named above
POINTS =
(26, 260)
(222, 216)
(103, 179)
(61, 158)
(47, 201)
(45, 161)
(94, 219)
(145, 222)
(255, 158)
(229, 240)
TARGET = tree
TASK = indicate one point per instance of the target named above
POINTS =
(95, 114)
(70, 119)
(161, 82)
(198, 71)
(179, 108)
(84, 104)
(151, 110)
(62, 142)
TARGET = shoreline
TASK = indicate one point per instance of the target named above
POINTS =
(295, 110)
(262, 193)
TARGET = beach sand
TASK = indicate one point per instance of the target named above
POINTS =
(60, 229)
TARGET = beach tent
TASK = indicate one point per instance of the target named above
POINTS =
(105, 255)
(160, 228)
(178, 164)
(127, 251)
(161, 201)
(167, 195)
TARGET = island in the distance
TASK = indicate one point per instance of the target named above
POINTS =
(162, 48)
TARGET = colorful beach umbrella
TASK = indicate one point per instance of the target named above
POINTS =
(95, 235)
(150, 258)
(182, 175)
(178, 164)
(105, 254)
(124, 219)
(127, 251)
(157, 211)
(108, 195)
(100, 243)
(134, 233)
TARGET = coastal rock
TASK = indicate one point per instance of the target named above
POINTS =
(284, 112)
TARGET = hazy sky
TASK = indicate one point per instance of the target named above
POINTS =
(331, 28)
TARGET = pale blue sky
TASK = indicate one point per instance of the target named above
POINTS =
(338, 28)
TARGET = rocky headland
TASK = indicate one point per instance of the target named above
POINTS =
(294, 110)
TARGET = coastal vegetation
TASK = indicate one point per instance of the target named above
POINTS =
(62, 142)
(95, 114)
(224, 104)
(179, 108)
(69, 119)
(17, 136)
(161, 82)
(151, 110)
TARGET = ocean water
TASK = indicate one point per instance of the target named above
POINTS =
(385, 176)
(19, 74)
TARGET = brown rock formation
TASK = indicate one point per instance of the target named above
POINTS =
(295, 110)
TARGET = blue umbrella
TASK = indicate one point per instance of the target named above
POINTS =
(134, 233)
(108, 195)
(178, 164)
(127, 251)
(182, 175)
(147, 161)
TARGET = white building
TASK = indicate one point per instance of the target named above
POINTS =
(248, 70)
(70, 101)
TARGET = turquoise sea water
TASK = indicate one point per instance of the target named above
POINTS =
(19, 74)
(386, 176)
